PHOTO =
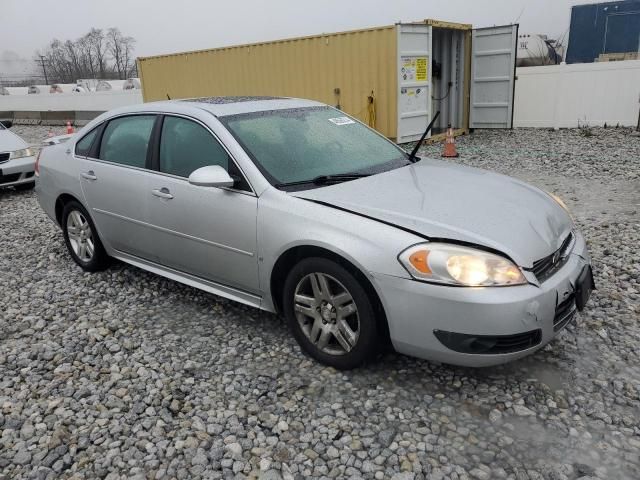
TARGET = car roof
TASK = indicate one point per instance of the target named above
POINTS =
(217, 106)
(225, 106)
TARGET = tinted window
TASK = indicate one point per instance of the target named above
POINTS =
(186, 146)
(84, 146)
(125, 140)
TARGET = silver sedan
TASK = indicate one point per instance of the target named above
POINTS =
(292, 206)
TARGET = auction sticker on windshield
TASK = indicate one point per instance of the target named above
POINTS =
(341, 120)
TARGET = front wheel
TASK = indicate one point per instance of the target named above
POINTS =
(330, 314)
(82, 239)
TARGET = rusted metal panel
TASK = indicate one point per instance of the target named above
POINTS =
(448, 25)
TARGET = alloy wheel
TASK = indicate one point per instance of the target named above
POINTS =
(80, 236)
(327, 313)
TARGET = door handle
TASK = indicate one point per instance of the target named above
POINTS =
(162, 193)
(89, 175)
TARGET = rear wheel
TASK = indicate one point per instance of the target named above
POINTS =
(82, 239)
(25, 186)
(330, 314)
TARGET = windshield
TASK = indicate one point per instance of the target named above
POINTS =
(298, 145)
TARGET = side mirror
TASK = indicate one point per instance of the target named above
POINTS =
(211, 176)
(6, 123)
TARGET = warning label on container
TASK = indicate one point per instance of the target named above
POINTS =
(413, 69)
(421, 69)
(341, 120)
(413, 99)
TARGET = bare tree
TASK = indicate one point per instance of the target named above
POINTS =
(96, 54)
(98, 44)
(120, 49)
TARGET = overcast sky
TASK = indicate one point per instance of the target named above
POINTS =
(162, 26)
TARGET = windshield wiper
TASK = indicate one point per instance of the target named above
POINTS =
(325, 179)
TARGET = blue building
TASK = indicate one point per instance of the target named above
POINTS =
(611, 27)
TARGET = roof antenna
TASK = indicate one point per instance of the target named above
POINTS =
(168, 97)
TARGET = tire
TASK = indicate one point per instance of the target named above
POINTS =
(318, 320)
(25, 186)
(74, 216)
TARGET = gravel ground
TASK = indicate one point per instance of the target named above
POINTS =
(124, 374)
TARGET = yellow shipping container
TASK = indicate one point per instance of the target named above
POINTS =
(342, 69)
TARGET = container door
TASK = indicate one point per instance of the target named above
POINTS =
(493, 64)
(414, 81)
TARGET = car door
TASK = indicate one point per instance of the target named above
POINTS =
(114, 180)
(208, 232)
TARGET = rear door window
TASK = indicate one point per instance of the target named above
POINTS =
(126, 140)
(83, 147)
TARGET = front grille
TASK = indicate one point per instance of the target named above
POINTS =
(547, 266)
(9, 178)
(564, 313)
(489, 344)
(4, 156)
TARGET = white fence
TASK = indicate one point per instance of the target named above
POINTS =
(565, 96)
(89, 101)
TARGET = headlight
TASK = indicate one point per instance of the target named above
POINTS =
(25, 152)
(456, 265)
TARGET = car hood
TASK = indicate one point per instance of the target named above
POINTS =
(10, 141)
(446, 201)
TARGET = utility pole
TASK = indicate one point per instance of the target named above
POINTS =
(44, 70)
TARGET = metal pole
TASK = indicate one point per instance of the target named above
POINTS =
(44, 70)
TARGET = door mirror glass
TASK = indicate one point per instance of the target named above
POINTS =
(6, 123)
(211, 176)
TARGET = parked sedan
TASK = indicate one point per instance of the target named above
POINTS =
(16, 160)
(292, 206)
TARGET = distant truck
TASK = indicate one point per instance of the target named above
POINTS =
(604, 32)
(535, 50)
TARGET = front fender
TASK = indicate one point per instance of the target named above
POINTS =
(285, 222)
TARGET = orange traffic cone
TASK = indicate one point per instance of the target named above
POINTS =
(450, 144)
(69, 127)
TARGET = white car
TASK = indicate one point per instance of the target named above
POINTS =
(17, 160)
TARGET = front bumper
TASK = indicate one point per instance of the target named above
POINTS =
(416, 310)
(17, 171)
